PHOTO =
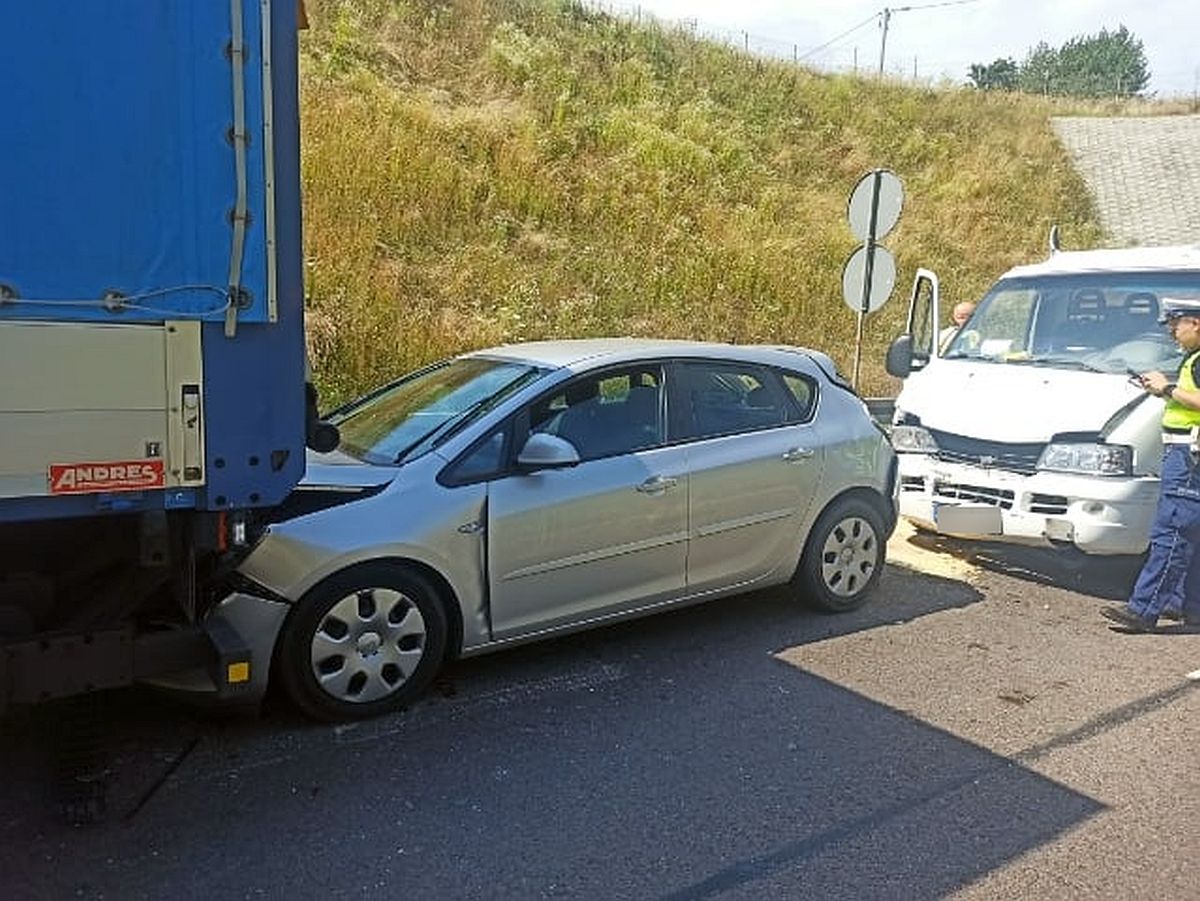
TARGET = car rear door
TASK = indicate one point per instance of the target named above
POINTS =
(606, 535)
(754, 460)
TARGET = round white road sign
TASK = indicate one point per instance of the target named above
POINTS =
(883, 279)
(891, 199)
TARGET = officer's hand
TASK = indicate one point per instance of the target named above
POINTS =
(1154, 382)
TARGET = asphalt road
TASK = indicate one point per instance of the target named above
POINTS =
(975, 731)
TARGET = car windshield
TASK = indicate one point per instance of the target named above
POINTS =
(1101, 322)
(416, 413)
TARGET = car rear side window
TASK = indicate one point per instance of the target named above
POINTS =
(724, 399)
(804, 393)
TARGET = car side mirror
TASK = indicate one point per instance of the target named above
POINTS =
(319, 435)
(899, 359)
(544, 451)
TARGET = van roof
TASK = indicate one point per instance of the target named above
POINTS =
(1129, 259)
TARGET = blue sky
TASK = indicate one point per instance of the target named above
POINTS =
(942, 41)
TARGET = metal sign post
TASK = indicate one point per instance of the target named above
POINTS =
(870, 267)
(870, 274)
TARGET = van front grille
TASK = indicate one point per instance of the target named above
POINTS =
(977, 494)
(1050, 504)
(1021, 458)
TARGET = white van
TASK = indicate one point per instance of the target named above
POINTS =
(1027, 426)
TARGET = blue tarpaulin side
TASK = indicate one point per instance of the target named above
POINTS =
(118, 174)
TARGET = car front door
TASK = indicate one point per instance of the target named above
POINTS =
(607, 534)
(754, 460)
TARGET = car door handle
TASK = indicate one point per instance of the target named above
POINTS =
(657, 484)
(796, 454)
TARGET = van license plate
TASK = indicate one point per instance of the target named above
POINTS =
(967, 519)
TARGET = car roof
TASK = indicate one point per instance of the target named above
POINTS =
(588, 352)
(1131, 259)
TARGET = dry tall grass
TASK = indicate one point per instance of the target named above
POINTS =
(480, 172)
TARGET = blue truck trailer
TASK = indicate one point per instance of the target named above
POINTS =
(153, 402)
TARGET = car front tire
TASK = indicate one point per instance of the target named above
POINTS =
(364, 642)
(843, 557)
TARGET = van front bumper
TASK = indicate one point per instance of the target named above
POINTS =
(1097, 515)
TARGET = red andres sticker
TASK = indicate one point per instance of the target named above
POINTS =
(112, 475)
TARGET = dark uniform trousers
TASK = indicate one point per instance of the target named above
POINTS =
(1170, 579)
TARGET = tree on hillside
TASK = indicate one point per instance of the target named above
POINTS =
(1038, 74)
(1000, 75)
(1107, 64)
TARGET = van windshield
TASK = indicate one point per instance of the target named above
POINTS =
(1105, 322)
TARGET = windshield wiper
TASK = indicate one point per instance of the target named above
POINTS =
(1065, 362)
(449, 426)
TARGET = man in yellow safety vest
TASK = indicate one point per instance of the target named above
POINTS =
(1169, 584)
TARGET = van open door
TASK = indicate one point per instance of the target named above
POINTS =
(919, 344)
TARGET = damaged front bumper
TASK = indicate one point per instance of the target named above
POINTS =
(1097, 514)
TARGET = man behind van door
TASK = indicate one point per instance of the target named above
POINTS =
(1169, 584)
(958, 317)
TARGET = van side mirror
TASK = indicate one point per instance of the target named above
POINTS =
(899, 359)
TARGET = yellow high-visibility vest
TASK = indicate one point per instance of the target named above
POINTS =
(1176, 415)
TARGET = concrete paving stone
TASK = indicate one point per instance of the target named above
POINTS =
(1143, 174)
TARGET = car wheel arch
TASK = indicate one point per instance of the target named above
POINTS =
(870, 498)
(445, 592)
(295, 591)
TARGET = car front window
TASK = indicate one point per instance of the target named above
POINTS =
(1105, 322)
(606, 415)
(419, 411)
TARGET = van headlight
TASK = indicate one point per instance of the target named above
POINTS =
(1088, 459)
(913, 439)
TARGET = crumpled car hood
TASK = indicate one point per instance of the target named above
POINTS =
(339, 470)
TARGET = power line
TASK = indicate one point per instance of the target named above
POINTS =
(886, 16)
(867, 21)
(743, 38)
(905, 9)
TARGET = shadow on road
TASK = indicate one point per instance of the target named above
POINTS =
(1110, 578)
(672, 757)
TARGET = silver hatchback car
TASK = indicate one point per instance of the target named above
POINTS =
(521, 492)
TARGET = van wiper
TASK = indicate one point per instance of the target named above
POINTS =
(1064, 362)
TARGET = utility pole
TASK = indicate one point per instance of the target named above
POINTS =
(887, 15)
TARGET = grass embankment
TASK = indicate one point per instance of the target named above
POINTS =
(487, 171)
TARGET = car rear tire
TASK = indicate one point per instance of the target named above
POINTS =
(365, 641)
(843, 557)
